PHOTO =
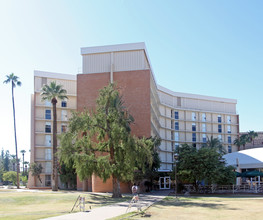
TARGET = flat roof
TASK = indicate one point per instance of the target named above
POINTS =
(113, 48)
(53, 75)
(196, 96)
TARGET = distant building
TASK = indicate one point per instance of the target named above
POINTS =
(177, 118)
(256, 143)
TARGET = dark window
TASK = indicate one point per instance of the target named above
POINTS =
(229, 139)
(193, 127)
(48, 129)
(48, 180)
(176, 126)
(219, 118)
(229, 149)
(219, 128)
(48, 114)
(194, 145)
(64, 104)
(63, 128)
(176, 115)
(194, 137)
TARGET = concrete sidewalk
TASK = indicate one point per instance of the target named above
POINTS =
(117, 209)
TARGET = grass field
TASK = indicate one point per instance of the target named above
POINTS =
(205, 208)
(42, 204)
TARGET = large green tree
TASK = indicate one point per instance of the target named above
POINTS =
(53, 93)
(204, 164)
(14, 82)
(101, 143)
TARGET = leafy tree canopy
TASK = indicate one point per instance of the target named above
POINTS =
(203, 164)
(100, 142)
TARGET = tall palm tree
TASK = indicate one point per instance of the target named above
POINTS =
(15, 82)
(215, 143)
(242, 140)
(238, 143)
(26, 165)
(251, 136)
(52, 93)
(23, 154)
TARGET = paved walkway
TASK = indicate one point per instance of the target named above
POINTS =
(114, 210)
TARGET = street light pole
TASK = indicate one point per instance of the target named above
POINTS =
(175, 173)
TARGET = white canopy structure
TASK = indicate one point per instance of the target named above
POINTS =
(246, 159)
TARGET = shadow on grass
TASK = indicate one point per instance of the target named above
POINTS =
(189, 203)
(105, 200)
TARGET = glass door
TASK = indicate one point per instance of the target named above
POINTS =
(164, 182)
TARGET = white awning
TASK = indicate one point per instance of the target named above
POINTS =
(251, 158)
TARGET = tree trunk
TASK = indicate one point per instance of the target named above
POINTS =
(116, 187)
(55, 162)
(23, 163)
(14, 115)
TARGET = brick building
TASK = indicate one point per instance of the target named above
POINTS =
(176, 117)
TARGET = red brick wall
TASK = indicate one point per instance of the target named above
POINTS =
(135, 88)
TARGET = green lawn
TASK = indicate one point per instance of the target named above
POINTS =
(205, 208)
(36, 205)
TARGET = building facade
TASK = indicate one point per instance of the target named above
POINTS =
(177, 118)
(41, 122)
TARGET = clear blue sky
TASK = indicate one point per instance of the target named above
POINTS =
(205, 47)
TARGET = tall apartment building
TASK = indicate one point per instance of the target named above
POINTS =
(176, 117)
(41, 122)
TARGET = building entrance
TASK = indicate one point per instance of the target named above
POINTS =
(164, 182)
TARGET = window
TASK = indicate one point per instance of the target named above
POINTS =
(194, 137)
(48, 103)
(48, 127)
(229, 139)
(64, 104)
(219, 128)
(48, 167)
(176, 115)
(64, 116)
(229, 129)
(178, 101)
(48, 140)
(204, 138)
(63, 128)
(48, 114)
(176, 145)
(48, 154)
(203, 127)
(219, 118)
(48, 180)
(228, 119)
(203, 117)
(176, 126)
(193, 127)
(176, 136)
(229, 149)
(194, 145)
(219, 137)
(193, 116)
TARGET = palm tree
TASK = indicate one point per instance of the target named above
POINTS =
(15, 82)
(26, 165)
(52, 93)
(251, 136)
(23, 154)
(242, 140)
(214, 143)
(238, 143)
